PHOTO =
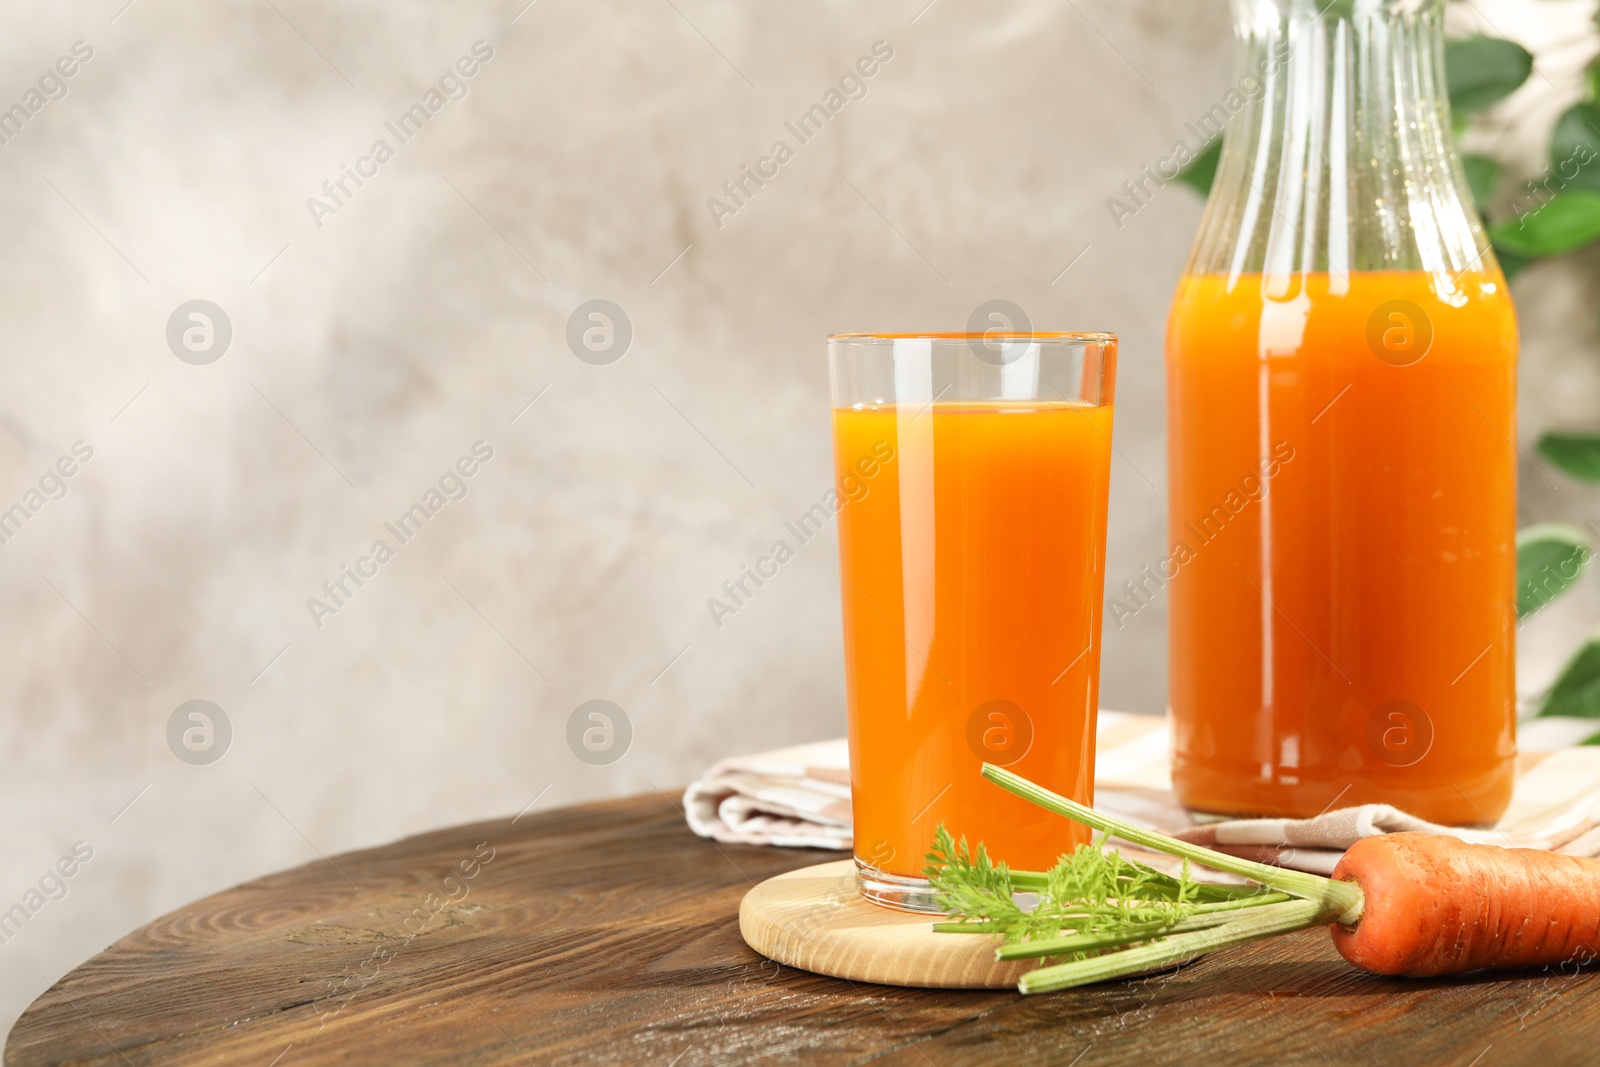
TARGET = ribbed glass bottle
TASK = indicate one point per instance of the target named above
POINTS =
(1341, 366)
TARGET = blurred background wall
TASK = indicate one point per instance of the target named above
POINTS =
(377, 338)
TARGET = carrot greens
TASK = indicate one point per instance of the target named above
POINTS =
(1091, 892)
(1103, 915)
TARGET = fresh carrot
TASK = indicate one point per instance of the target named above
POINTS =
(1438, 905)
(1407, 904)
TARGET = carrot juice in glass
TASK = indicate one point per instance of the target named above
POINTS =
(972, 554)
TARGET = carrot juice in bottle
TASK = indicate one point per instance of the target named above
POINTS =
(1341, 368)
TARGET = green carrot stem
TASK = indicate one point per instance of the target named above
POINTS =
(1344, 899)
(1171, 887)
(979, 926)
(1206, 890)
(1253, 900)
(1232, 904)
(1220, 908)
(1037, 881)
(1216, 891)
(1202, 890)
(1127, 935)
(1253, 925)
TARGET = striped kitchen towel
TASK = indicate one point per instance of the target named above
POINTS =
(800, 797)
(796, 797)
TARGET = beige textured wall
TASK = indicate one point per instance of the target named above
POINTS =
(370, 352)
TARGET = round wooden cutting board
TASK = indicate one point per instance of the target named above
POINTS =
(814, 919)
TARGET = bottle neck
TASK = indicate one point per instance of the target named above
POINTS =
(1338, 155)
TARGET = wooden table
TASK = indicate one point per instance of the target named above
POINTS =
(606, 934)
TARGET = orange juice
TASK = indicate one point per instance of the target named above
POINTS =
(1342, 512)
(972, 573)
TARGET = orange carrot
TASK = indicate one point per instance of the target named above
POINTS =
(1437, 905)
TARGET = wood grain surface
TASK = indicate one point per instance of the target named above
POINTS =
(608, 934)
(815, 920)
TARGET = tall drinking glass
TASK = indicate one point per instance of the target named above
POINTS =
(974, 470)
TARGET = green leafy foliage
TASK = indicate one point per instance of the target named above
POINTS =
(1578, 454)
(1092, 891)
(969, 884)
(1483, 175)
(1550, 558)
(1576, 692)
(1575, 147)
(1482, 71)
(1201, 171)
(1566, 221)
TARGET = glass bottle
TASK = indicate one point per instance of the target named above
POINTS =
(1341, 368)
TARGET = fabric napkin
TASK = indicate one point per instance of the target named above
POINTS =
(800, 797)
(796, 797)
